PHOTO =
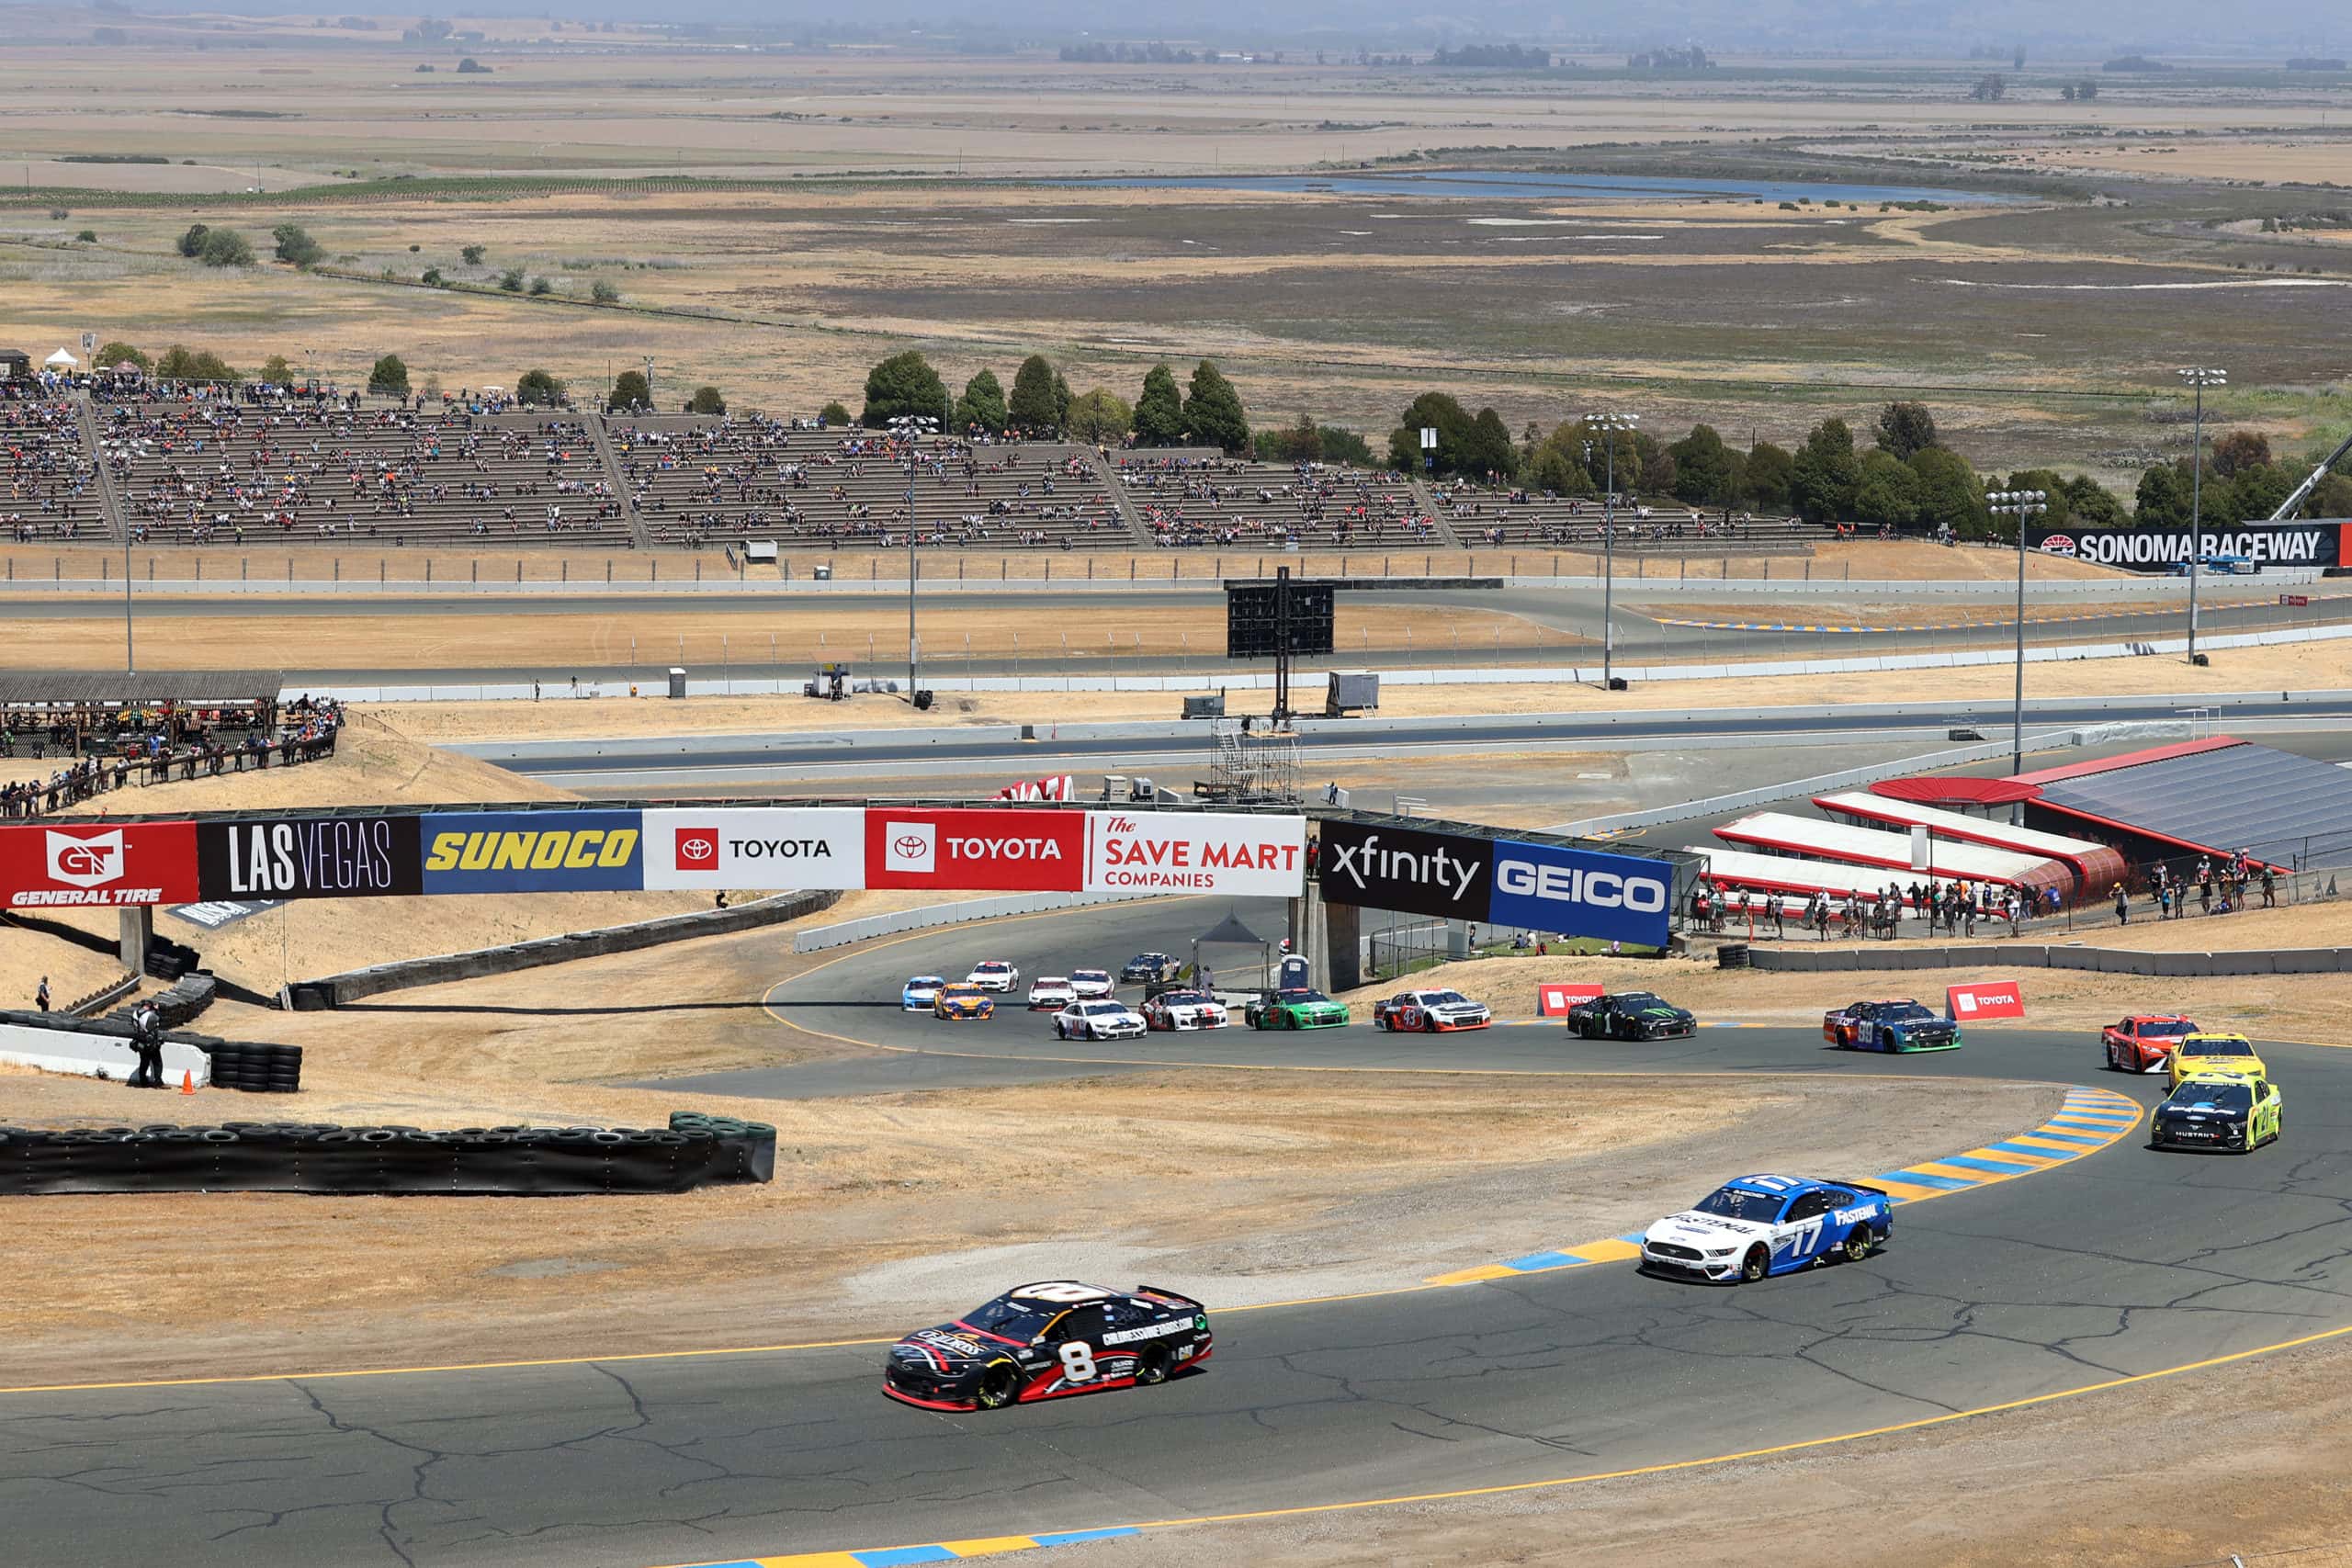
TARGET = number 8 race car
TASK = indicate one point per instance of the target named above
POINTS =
(1433, 1011)
(1047, 1340)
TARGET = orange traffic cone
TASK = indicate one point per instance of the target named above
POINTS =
(188, 1081)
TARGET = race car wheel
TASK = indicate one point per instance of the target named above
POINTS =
(1752, 1267)
(1154, 1366)
(2112, 1064)
(1428, 1023)
(1062, 1030)
(1858, 1244)
(996, 1385)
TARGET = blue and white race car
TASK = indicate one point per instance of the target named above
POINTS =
(919, 992)
(1756, 1226)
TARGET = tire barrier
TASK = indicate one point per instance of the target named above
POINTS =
(101, 1047)
(255, 1067)
(304, 1156)
(179, 1004)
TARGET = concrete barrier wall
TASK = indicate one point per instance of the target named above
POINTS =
(1828, 959)
(962, 912)
(338, 990)
(93, 1056)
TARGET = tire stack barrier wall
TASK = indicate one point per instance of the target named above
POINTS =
(1831, 959)
(339, 990)
(255, 1067)
(179, 1004)
(57, 1042)
(300, 1156)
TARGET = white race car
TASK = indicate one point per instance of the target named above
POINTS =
(1050, 993)
(1185, 1010)
(1091, 985)
(994, 974)
(1097, 1020)
(1431, 1012)
(919, 992)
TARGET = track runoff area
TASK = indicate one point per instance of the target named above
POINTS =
(2059, 1263)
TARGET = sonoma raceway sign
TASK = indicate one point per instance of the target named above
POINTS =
(2159, 549)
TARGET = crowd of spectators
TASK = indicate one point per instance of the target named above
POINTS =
(1214, 501)
(51, 474)
(155, 748)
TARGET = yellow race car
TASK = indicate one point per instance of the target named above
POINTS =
(961, 1000)
(2214, 1053)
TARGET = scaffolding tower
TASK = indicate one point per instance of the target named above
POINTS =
(1252, 766)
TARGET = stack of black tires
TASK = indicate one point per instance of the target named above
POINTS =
(256, 1067)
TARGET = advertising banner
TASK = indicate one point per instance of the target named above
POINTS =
(1446, 875)
(1231, 853)
(46, 866)
(1987, 998)
(534, 852)
(771, 849)
(1553, 1001)
(1582, 893)
(311, 857)
(975, 849)
(224, 912)
(2158, 549)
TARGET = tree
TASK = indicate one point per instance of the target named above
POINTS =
(2237, 450)
(2086, 89)
(1989, 88)
(124, 353)
(541, 286)
(1299, 443)
(2162, 500)
(604, 293)
(629, 391)
(225, 247)
(469, 66)
(1100, 416)
(2332, 497)
(1432, 411)
(903, 384)
(275, 370)
(431, 277)
(295, 246)
(1906, 428)
(707, 400)
(834, 414)
(1702, 467)
(1886, 491)
(510, 280)
(982, 405)
(389, 376)
(2260, 491)
(1061, 402)
(180, 363)
(1490, 450)
(535, 387)
(192, 243)
(2090, 504)
(2058, 498)
(1951, 495)
(1344, 446)
(1558, 471)
(472, 255)
(1159, 412)
(1213, 414)
(87, 236)
(1822, 475)
(1772, 477)
(1032, 408)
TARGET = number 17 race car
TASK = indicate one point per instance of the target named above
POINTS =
(1047, 1340)
(1756, 1226)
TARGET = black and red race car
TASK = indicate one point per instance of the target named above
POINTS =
(2143, 1041)
(1047, 1340)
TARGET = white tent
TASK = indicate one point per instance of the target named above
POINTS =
(61, 360)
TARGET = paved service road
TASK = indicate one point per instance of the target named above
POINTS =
(2123, 1262)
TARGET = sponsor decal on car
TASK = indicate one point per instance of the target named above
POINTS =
(752, 847)
(312, 857)
(583, 852)
(137, 863)
(1153, 1331)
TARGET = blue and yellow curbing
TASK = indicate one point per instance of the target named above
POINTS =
(2087, 1121)
(936, 1552)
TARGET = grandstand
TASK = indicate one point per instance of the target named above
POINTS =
(1484, 515)
(51, 480)
(1195, 498)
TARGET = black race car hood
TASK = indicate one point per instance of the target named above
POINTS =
(1673, 1015)
(948, 1347)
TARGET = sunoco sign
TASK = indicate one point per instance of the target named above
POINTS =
(2320, 544)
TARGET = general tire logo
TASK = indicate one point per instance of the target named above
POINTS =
(84, 862)
(697, 848)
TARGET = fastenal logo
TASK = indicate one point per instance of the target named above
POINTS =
(84, 862)
(910, 846)
(697, 848)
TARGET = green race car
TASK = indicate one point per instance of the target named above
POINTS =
(1298, 1008)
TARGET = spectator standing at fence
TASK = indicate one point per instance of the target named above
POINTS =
(2269, 888)
(2205, 895)
(2163, 902)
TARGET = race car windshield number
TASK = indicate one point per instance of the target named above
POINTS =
(1732, 1204)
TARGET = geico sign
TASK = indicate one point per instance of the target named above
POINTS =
(1599, 889)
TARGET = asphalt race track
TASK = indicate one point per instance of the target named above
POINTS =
(2122, 1263)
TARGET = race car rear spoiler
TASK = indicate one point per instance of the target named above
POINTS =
(1172, 1295)
(1856, 1186)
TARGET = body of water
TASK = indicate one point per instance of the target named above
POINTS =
(1513, 183)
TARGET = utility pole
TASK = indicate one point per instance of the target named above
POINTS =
(2199, 376)
(1609, 425)
(2023, 505)
(911, 429)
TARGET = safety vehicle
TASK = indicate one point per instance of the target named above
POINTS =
(2217, 1110)
(1299, 1006)
(1050, 993)
(1904, 1026)
(1430, 1012)
(958, 1003)
(994, 975)
(1185, 1010)
(1091, 985)
(919, 992)
(1098, 1020)
(2218, 1052)
(2143, 1041)
(1047, 1340)
(1756, 1226)
(1629, 1015)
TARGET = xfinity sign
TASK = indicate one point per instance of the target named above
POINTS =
(1447, 874)
(1581, 892)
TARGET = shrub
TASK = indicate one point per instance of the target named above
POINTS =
(534, 386)
(706, 401)
(192, 243)
(603, 293)
(124, 353)
(389, 376)
(180, 363)
(833, 412)
(226, 247)
(541, 286)
(296, 247)
(510, 280)
(89, 236)
(630, 391)
(472, 255)
(431, 277)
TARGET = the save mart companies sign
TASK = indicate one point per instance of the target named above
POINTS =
(2320, 544)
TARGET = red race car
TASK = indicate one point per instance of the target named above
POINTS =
(2143, 1043)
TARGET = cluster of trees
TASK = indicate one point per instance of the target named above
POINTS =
(215, 247)
(1209, 413)
(2082, 91)
(1990, 88)
(1098, 53)
(1691, 58)
(2243, 483)
(1494, 57)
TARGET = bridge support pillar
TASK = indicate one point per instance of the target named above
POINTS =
(1341, 948)
(138, 930)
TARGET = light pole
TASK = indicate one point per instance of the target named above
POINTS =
(1611, 426)
(911, 428)
(2198, 376)
(129, 662)
(2021, 505)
